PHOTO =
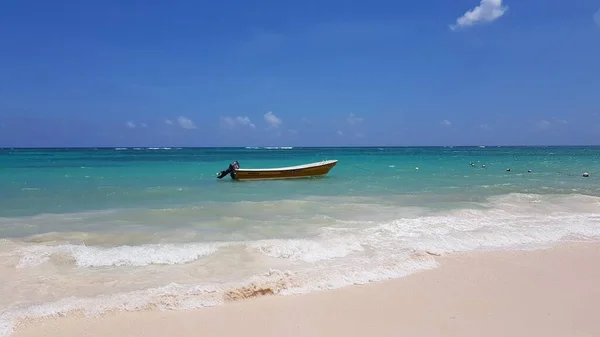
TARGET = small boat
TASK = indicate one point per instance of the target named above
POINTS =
(290, 172)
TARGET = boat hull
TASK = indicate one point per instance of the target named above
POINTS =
(302, 171)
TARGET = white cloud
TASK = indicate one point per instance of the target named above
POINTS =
(272, 120)
(597, 18)
(168, 122)
(144, 125)
(340, 133)
(186, 123)
(245, 121)
(560, 121)
(232, 122)
(484, 126)
(546, 124)
(293, 132)
(487, 11)
(130, 125)
(446, 122)
(359, 135)
(353, 119)
(543, 124)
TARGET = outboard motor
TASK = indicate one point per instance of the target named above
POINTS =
(230, 170)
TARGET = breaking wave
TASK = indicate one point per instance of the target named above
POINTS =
(338, 253)
(89, 256)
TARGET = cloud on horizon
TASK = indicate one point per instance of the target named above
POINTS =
(353, 119)
(233, 122)
(543, 124)
(487, 11)
(186, 123)
(597, 18)
(272, 120)
(546, 124)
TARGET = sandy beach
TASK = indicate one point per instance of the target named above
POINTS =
(550, 292)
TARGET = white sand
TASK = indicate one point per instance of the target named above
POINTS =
(544, 293)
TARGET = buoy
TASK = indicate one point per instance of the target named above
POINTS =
(508, 170)
(528, 171)
(585, 174)
(483, 165)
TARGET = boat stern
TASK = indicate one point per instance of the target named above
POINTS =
(231, 170)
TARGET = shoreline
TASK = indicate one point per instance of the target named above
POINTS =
(545, 292)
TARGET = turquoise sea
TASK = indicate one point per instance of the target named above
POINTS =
(145, 228)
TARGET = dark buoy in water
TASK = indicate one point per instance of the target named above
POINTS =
(586, 175)
(528, 171)
(508, 170)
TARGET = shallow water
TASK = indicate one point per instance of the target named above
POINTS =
(128, 229)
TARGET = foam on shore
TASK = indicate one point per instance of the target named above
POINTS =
(39, 274)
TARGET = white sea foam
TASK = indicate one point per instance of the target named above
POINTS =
(170, 297)
(33, 256)
(337, 253)
(89, 256)
(505, 221)
(140, 255)
(460, 234)
(181, 297)
(308, 250)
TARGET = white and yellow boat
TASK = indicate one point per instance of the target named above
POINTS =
(290, 172)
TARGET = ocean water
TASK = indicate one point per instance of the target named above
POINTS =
(97, 230)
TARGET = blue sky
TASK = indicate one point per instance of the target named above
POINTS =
(238, 73)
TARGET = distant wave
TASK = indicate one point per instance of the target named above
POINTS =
(140, 148)
(269, 147)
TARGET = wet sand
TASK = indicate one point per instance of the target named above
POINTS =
(550, 292)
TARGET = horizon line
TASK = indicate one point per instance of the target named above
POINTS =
(275, 147)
